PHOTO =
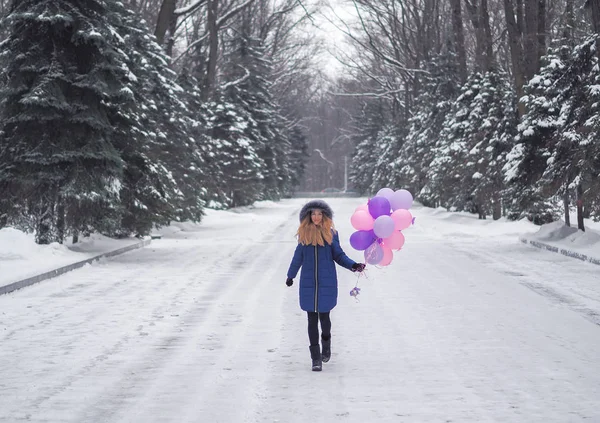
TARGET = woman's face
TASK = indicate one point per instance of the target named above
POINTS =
(316, 216)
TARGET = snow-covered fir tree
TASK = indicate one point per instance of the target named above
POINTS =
(248, 89)
(492, 140)
(164, 173)
(237, 153)
(387, 146)
(214, 182)
(297, 158)
(65, 76)
(557, 146)
(470, 152)
(447, 169)
(367, 126)
(572, 167)
(440, 87)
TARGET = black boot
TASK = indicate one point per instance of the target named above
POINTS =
(326, 354)
(315, 354)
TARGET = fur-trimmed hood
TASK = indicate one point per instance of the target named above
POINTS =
(315, 204)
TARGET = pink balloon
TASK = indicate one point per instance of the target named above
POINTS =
(388, 256)
(402, 218)
(362, 221)
(364, 207)
(395, 241)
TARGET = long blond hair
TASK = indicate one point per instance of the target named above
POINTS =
(311, 234)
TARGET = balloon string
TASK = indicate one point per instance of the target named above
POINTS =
(355, 292)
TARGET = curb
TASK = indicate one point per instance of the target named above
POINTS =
(61, 270)
(568, 253)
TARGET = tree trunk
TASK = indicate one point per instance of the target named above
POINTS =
(580, 224)
(459, 39)
(541, 35)
(496, 206)
(569, 23)
(594, 6)
(530, 38)
(45, 223)
(488, 51)
(171, 38)
(566, 207)
(60, 220)
(520, 17)
(165, 17)
(480, 20)
(75, 237)
(213, 42)
(472, 8)
(516, 52)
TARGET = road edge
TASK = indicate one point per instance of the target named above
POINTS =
(7, 289)
(563, 251)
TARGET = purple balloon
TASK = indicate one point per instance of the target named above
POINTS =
(360, 240)
(379, 206)
(401, 199)
(374, 253)
(384, 226)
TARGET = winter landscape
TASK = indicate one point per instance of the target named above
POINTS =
(155, 156)
(467, 324)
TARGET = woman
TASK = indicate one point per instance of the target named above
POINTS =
(318, 248)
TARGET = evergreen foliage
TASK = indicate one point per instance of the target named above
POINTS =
(466, 172)
(66, 75)
(248, 89)
(368, 126)
(440, 88)
(151, 194)
(557, 146)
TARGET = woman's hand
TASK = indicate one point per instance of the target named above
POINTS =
(289, 281)
(358, 267)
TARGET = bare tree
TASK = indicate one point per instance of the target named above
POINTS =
(458, 33)
(516, 48)
(480, 20)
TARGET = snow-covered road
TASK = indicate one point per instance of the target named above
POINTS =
(200, 327)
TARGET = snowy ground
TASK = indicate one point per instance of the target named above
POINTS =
(21, 257)
(466, 325)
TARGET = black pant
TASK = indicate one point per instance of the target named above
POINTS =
(313, 326)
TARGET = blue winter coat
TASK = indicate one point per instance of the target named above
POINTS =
(318, 279)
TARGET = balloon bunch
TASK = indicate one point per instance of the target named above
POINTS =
(379, 224)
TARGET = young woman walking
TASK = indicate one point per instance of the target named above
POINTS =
(317, 252)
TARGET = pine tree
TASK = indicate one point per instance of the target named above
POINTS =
(214, 183)
(368, 124)
(386, 148)
(164, 169)
(441, 87)
(65, 76)
(237, 153)
(447, 170)
(572, 166)
(470, 152)
(555, 148)
(297, 158)
(248, 88)
(489, 140)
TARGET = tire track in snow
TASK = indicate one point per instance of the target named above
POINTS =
(211, 353)
(107, 315)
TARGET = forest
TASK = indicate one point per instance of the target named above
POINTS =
(120, 116)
